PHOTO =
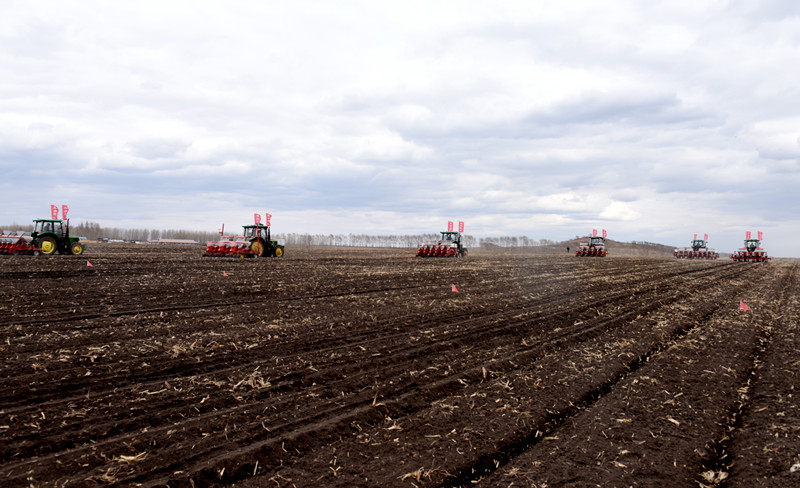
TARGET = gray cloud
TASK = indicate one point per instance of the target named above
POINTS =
(655, 120)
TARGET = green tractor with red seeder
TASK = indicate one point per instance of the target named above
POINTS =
(48, 237)
(254, 242)
(449, 246)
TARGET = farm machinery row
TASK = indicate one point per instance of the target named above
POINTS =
(751, 252)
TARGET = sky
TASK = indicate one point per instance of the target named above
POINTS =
(653, 120)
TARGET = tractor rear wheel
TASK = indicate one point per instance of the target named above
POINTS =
(257, 247)
(47, 245)
(76, 248)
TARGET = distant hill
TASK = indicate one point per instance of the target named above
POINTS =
(615, 248)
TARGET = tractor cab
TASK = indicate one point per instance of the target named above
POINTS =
(256, 231)
(596, 241)
(450, 237)
(47, 226)
(751, 244)
(698, 244)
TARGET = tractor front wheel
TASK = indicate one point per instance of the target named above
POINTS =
(47, 245)
(76, 248)
(279, 252)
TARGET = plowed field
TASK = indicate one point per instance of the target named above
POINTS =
(341, 367)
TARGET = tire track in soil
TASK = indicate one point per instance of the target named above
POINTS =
(697, 416)
(503, 315)
(758, 446)
(467, 336)
(401, 404)
(490, 460)
(166, 370)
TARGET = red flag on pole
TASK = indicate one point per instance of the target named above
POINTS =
(53, 212)
(268, 218)
(455, 290)
(64, 210)
(748, 235)
(224, 274)
(742, 306)
(695, 237)
(705, 237)
(89, 264)
(604, 234)
(760, 236)
(450, 226)
(257, 218)
(461, 226)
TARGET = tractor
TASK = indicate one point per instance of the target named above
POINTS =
(260, 242)
(697, 250)
(255, 241)
(51, 235)
(752, 251)
(595, 247)
(449, 246)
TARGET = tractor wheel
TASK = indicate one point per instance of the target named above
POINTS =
(257, 247)
(464, 253)
(279, 252)
(47, 245)
(76, 248)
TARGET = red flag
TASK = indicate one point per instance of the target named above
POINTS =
(268, 218)
(64, 210)
(695, 237)
(594, 232)
(455, 290)
(742, 306)
(224, 274)
(760, 236)
(53, 212)
(461, 226)
(257, 218)
(89, 264)
(748, 235)
(450, 226)
(705, 237)
(604, 234)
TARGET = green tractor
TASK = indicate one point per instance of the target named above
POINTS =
(260, 242)
(51, 235)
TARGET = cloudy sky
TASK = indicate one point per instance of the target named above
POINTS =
(654, 120)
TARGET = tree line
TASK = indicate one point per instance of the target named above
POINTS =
(93, 231)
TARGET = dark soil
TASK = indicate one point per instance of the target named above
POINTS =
(361, 367)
